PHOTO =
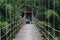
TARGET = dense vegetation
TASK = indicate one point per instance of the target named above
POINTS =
(9, 13)
(46, 11)
(49, 17)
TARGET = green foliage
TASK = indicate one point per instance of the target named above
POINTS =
(49, 16)
(4, 26)
(1, 2)
(9, 7)
(10, 10)
(42, 23)
(50, 13)
(57, 3)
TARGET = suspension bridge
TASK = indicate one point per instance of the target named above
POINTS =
(27, 28)
(29, 31)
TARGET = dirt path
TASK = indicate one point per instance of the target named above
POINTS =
(28, 32)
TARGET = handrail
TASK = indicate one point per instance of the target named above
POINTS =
(13, 22)
(13, 26)
(49, 33)
(52, 28)
(42, 32)
(12, 33)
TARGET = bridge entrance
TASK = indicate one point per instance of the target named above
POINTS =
(27, 13)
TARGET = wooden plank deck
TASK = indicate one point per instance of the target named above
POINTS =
(28, 32)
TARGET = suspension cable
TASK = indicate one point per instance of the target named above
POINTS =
(37, 9)
(6, 15)
(43, 32)
(49, 33)
(52, 28)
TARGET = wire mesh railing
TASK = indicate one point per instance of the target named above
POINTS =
(10, 19)
(14, 26)
(45, 32)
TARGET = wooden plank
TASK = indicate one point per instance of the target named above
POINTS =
(28, 32)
